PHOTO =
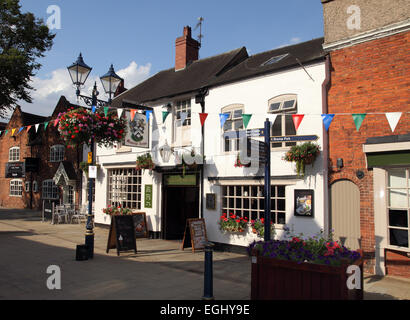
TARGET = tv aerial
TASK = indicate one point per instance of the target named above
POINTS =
(199, 24)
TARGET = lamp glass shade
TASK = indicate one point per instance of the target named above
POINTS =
(110, 81)
(79, 71)
(165, 152)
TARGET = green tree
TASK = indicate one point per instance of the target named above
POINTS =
(23, 39)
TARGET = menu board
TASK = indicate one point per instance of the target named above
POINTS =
(122, 234)
(195, 234)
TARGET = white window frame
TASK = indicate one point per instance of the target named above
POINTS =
(16, 188)
(182, 132)
(124, 187)
(35, 186)
(405, 191)
(251, 205)
(229, 126)
(283, 110)
(57, 153)
(14, 154)
(49, 190)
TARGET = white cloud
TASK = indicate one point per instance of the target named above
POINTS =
(58, 83)
(293, 40)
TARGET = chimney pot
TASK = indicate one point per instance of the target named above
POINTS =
(186, 49)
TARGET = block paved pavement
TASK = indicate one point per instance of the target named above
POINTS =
(159, 271)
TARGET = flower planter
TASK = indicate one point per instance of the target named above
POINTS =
(275, 279)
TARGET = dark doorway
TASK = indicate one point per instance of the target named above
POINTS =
(180, 204)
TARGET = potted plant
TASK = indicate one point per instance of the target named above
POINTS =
(258, 227)
(145, 162)
(305, 268)
(302, 154)
(116, 211)
(239, 164)
(79, 126)
(232, 223)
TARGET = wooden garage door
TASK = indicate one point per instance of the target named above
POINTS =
(345, 213)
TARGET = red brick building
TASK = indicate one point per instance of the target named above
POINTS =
(369, 168)
(30, 157)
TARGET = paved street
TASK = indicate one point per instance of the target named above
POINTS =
(159, 270)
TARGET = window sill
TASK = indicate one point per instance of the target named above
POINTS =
(17, 196)
(397, 248)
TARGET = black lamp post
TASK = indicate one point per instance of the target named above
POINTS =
(79, 72)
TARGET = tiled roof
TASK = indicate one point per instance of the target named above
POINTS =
(227, 67)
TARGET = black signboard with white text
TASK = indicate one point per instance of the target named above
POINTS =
(15, 170)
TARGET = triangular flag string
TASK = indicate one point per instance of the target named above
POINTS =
(393, 119)
(246, 118)
(132, 113)
(28, 128)
(358, 119)
(119, 112)
(56, 121)
(297, 119)
(327, 120)
(106, 111)
(12, 131)
(37, 125)
(164, 115)
(45, 125)
(223, 117)
(147, 115)
(202, 118)
(20, 130)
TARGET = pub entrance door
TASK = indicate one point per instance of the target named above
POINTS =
(181, 202)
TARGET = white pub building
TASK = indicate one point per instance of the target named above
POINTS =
(197, 108)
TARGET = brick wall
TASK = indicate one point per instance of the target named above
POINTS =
(369, 77)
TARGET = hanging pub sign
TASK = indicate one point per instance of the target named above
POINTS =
(15, 170)
(137, 130)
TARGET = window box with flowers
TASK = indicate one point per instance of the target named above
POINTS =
(305, 268)
(302, 155)
(232, 223)
(258, 227)
(117, 211)
(145, 162)
(238, 163)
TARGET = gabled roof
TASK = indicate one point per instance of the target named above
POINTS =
(227, 67)
(169, 83)
(30, 119)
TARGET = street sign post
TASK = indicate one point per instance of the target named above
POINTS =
(294, 138)
(267, 181)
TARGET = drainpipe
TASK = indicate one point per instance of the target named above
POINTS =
(325, 89)
(200, 98)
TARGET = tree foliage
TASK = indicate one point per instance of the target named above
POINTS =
(23, 39)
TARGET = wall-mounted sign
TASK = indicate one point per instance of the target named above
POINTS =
(137, 131)
(178, 180)
(148, 196)
(15, 170)
(304, 203)
(211, 201)
(92, 172)
(294, 138)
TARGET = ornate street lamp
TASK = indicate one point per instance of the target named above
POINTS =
(79, 72)
(165, 151)
(110, 82)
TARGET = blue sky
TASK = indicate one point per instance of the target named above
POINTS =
(138, 36)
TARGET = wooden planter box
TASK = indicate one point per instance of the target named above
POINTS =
(274, 279)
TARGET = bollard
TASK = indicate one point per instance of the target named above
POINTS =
(208, 276)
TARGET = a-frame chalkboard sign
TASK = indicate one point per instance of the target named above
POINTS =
(194, 235)
(122, 234)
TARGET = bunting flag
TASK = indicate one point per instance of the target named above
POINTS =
(45, 125)
(56, 121)
(297, 119)
(393, 119)
(358, 119)
(132, 113)
(20, 130)
(327, 120)
(5, 132)
(28, 127)
(119, 112)
(106, 111)
(12, 131)
(93, 109)
(272, 118)
(164, 115)
(246, 117)
(184, 115)
(37, 125)
(202, 118)
(223, 117)
(147, 115)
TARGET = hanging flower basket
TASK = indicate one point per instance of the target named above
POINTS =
(232, 223)
(145, 162)
(84, 166)
(79, 126)
(302, 155)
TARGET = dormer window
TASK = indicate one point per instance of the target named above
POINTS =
(14, 154)
(284, 105)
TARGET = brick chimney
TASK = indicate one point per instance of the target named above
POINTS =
(186, 49)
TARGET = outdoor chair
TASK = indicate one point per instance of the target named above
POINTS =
(60, 214)
(80, 215)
